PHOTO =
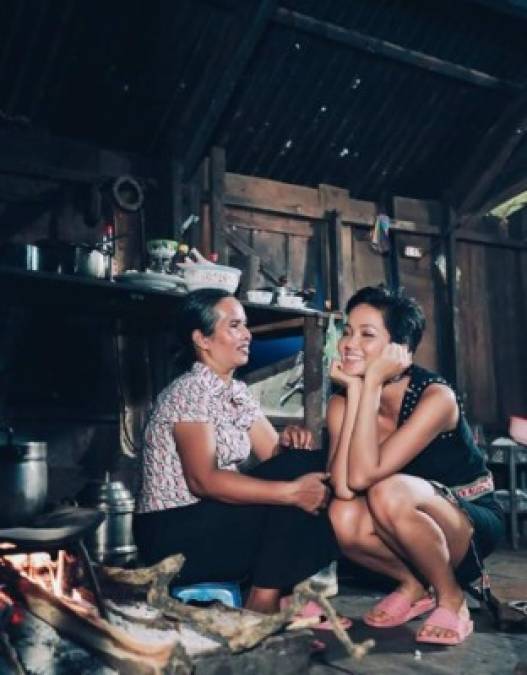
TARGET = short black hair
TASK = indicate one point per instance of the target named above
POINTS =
(197, 312)
(403, 316)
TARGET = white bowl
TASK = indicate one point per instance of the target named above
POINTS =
(201, 275)
(291, 301)
(260, 297)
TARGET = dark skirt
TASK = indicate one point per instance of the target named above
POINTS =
(271, 546)
(487, 519)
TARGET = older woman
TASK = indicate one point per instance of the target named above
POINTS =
(270, 525)
(414, 497)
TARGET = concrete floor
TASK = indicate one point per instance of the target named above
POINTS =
(487, 652)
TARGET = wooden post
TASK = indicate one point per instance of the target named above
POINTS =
(454, 370)
(170, 199)
(336, 263)
(194, 189)
(313, 377)
(250, 276)
(325, 277)
(217, 194)
(393, 261)
(176, 198)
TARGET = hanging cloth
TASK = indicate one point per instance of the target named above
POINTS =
(380, 234)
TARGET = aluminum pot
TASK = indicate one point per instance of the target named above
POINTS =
(23, 479)
(113, 539)
(66, 258)
(21, 256)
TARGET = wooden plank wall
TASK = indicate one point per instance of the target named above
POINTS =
(284, 225)
(493, 324)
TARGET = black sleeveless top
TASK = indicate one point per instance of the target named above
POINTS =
(452, 458)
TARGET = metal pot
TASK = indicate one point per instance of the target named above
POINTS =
(113, 539)
(66, 258)
(23, 479)
(21, 256)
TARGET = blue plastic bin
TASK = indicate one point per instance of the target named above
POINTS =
(225, 591)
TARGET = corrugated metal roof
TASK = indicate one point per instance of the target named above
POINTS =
(306, 109)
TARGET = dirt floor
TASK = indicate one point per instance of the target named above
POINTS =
(487, 652)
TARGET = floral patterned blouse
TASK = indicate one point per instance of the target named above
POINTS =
(198, 395)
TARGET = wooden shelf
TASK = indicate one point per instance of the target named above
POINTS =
(56, 293)
(148, 310)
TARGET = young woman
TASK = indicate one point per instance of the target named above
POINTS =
(414, 499)
(271, 525)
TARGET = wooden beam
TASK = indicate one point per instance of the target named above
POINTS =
(376, 46)
(286, 324)
(503, 195)
(490, 158)
(516, 8)
(224, 89)
(464, 234)
(56, 158)
(237, 242)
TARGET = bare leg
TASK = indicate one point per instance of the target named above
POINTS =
(434, 533)
(356, 533)
(263, 600)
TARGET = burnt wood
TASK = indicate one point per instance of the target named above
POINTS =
(353, 38)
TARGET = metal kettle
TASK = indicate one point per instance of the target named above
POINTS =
(23, 479)
(113, 540)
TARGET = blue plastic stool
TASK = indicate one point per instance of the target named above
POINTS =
(227, 592)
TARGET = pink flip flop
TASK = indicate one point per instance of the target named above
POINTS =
(311, 610)
(446, 619)
(399, 610)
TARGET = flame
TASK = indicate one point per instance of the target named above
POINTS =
(41, 569)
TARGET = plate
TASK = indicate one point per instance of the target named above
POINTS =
(155, 280)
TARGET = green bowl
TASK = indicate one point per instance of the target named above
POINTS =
(162, 247)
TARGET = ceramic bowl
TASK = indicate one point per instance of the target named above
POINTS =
(260, 297)
(291, 301)
(165, 248)
(201, 275)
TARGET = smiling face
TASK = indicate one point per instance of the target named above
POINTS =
(228, 346)
(364, 338)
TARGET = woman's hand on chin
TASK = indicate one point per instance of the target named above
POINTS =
(339, 376)
(392, 362)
